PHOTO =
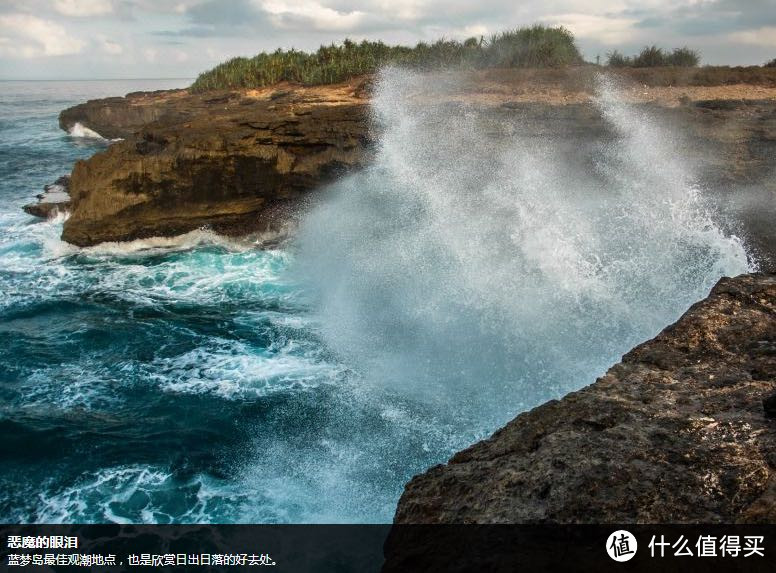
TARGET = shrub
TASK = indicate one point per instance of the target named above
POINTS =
(616, 60)
(652, 56)
(537, 46)
(683, 58)
(534, 47)
(771, 64)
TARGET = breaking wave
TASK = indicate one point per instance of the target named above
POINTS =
(485, 264)
(80, 130)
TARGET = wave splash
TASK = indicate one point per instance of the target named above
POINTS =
(80, 131)
(487, 264)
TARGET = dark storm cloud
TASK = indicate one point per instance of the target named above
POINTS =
(722, 16)
(223, 18)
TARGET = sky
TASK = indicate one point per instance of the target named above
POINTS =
(82, 39)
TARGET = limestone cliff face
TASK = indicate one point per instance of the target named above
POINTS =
(115, 117)
(683, 430)
(230, 161)
(240, 161)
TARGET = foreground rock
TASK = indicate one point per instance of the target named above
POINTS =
(235, 162)
(681, 431)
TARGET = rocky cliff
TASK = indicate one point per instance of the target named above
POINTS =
(236, 162)
(118, 117)
(241, 161)
(682, 430)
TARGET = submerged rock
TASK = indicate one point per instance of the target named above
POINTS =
(680, 431)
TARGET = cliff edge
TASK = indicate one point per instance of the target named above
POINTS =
(683, 430)
(235, 162)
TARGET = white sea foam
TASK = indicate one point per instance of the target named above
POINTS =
(141, 494)
(86, 385)
(149, 494)
(233, 371)
(351, 469)
(182, 242)
(32, 251)
(55, 194)
(197, 276)
(193, 274)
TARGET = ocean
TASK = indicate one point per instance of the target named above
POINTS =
(203, 379)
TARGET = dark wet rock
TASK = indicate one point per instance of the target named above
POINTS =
(676, 432)
(54, 199)
(45, 210)
(769, 407)
(62, 182)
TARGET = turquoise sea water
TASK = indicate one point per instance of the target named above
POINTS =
(177, 380)
(426, 302)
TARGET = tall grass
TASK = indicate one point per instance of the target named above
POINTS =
(536, 46)
(652, 57)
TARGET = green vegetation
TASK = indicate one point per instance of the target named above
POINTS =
(771, 64)
(653, 57)
(536, 46)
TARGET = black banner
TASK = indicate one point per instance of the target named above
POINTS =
(387, 549)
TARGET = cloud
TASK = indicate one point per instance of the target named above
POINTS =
(608, 30)
(306, 14)
(26, 36)
(109, 46)
(331, 19)
(224, 18)
(145, 34)
(707, 17)
(162, 6)
(599, 25)
(765, 36)
(81, 8)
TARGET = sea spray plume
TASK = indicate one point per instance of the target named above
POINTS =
(658, 196)
(482, 265)
(81, 133)
(80, 130)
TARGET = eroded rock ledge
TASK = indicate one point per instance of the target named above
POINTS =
(681, 431)
(235, 162)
